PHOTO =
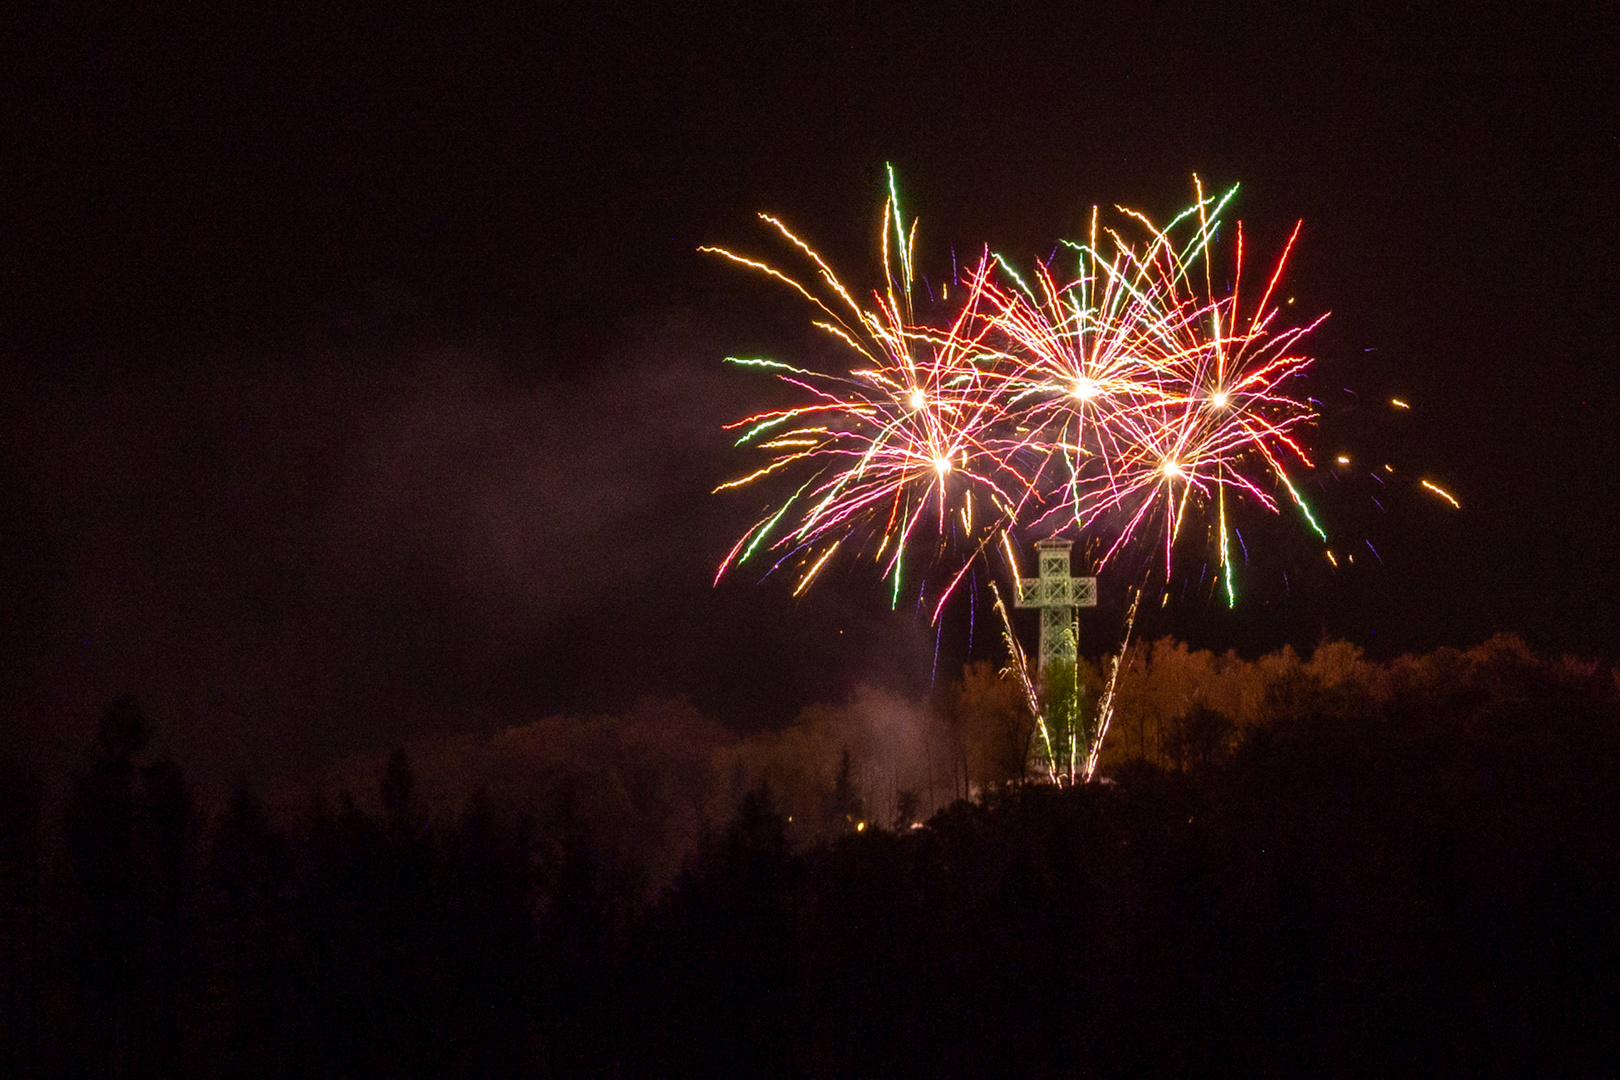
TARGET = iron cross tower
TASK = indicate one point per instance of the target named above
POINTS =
(1057, 595)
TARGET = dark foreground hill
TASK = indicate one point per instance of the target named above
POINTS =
(1422, 880)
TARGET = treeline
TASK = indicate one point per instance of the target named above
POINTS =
(1297, 868)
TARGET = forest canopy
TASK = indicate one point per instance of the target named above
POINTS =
(1291, 866)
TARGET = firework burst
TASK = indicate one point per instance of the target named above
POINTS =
(893, 448)
(1119, 402)
(1145, 394)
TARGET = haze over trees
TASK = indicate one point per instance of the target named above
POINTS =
(1296, 866)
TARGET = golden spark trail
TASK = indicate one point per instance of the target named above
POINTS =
(805, 581)
(1021, 666)
(1442, 493)
(1105, 709)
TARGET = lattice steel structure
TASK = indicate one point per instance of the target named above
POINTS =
(1058, 596)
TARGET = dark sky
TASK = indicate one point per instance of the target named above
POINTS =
(363, 379)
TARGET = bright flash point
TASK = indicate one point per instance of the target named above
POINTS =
(1219, 399)
(942, 465)
(1084, 389)
(918, 399)
(1172, 467)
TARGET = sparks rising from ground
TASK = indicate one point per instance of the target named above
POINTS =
(1119, 396)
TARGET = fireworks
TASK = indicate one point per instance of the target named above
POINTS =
(1155, 395)
(1118, 396)
(899, 446)
(1116, 393)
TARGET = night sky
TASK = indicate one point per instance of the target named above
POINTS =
(363, 380)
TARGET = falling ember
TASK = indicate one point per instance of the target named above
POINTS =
(1399, 404)
(1442, 493)
(804, 582)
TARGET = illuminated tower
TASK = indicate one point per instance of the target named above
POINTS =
(1057, 595)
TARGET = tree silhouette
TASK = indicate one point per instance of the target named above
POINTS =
(20, 864)
(395, 787)
(1326, 867)
(906, 807)
(244, 974)
(848, 809)
(129, 850)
